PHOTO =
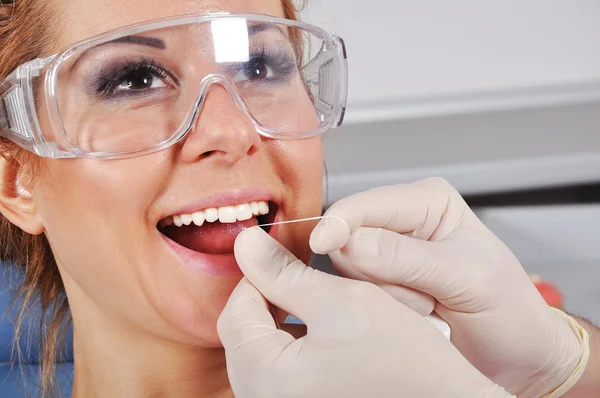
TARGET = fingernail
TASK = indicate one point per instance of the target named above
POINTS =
(245, 242)
(251, 233)
(260, 256)
(329, 235)
(321, 240)
(320, 234)
(255, 245)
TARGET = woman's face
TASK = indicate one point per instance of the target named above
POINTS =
(104, 218)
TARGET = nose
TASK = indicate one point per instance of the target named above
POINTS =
(221, 130)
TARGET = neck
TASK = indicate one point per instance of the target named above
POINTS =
(115, 361)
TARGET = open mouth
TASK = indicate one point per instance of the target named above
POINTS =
(213, 230)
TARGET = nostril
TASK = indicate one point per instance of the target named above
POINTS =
(253, 149)
(207, 154)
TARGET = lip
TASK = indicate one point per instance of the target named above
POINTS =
(213, 264)
(230, 198)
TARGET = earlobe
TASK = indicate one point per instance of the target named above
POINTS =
(17, 203)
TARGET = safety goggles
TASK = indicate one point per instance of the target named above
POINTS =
(140, 89)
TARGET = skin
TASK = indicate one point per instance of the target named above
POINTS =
(145, 322)
(589, 384)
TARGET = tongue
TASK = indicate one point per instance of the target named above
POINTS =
(211, 238)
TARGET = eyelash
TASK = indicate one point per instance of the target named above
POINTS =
(278, 59)
(108, 82)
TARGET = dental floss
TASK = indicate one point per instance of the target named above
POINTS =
(297, 221)
(434, 318)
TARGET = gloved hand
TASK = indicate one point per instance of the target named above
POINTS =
(423, 236)
(361, 342)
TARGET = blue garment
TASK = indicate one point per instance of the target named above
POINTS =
(21, 380)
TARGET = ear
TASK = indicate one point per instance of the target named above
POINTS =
(16, 202)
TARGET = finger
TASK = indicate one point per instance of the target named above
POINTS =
(304, 292)
(426, 209)
(399, 260)
(246, 325)
(419, 302)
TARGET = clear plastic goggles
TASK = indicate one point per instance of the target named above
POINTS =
(141, 88)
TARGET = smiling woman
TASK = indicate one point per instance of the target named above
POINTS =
(156, 135)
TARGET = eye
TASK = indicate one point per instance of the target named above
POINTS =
(255, 71)
(138, 78)
(142, 79)
(265, 66)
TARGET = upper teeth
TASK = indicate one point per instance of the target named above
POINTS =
(227, 214)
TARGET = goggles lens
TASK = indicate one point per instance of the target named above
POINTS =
(142, 90)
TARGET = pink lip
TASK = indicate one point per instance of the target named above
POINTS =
(212, 264)
(231, 198)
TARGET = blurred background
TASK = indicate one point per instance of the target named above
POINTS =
(501, 98)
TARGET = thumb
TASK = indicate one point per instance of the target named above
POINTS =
(428, 209)
(308, 294)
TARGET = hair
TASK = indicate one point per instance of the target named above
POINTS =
(22, 24)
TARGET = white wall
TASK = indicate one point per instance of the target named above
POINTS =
(404, 51)
(491, 95)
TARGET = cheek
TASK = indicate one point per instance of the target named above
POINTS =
(92, 211)
(97, 195)
(300, 168)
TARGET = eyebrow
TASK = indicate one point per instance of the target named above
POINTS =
(153, 42)
(262, 26)
(160, 44)
(140, 40)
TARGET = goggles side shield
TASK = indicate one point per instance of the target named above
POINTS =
(140, 89)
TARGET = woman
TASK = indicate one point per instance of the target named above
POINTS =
(133, 159)
(162, 166)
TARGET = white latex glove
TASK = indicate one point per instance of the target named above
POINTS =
(424, 236)
(361, 342)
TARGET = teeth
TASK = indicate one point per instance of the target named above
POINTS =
(225, 215)
(263, 208)
(177, 221)
(166, 222)
(211, 215)
(186, 219)
(198, 218)
(243, 212)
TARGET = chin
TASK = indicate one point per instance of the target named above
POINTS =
(192, 321)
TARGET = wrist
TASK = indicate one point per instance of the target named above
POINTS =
(572, 355)
(553, 360)
(589, 384)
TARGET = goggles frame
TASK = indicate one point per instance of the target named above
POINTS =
(19, 120)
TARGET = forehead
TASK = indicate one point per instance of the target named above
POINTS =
(81, 19)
